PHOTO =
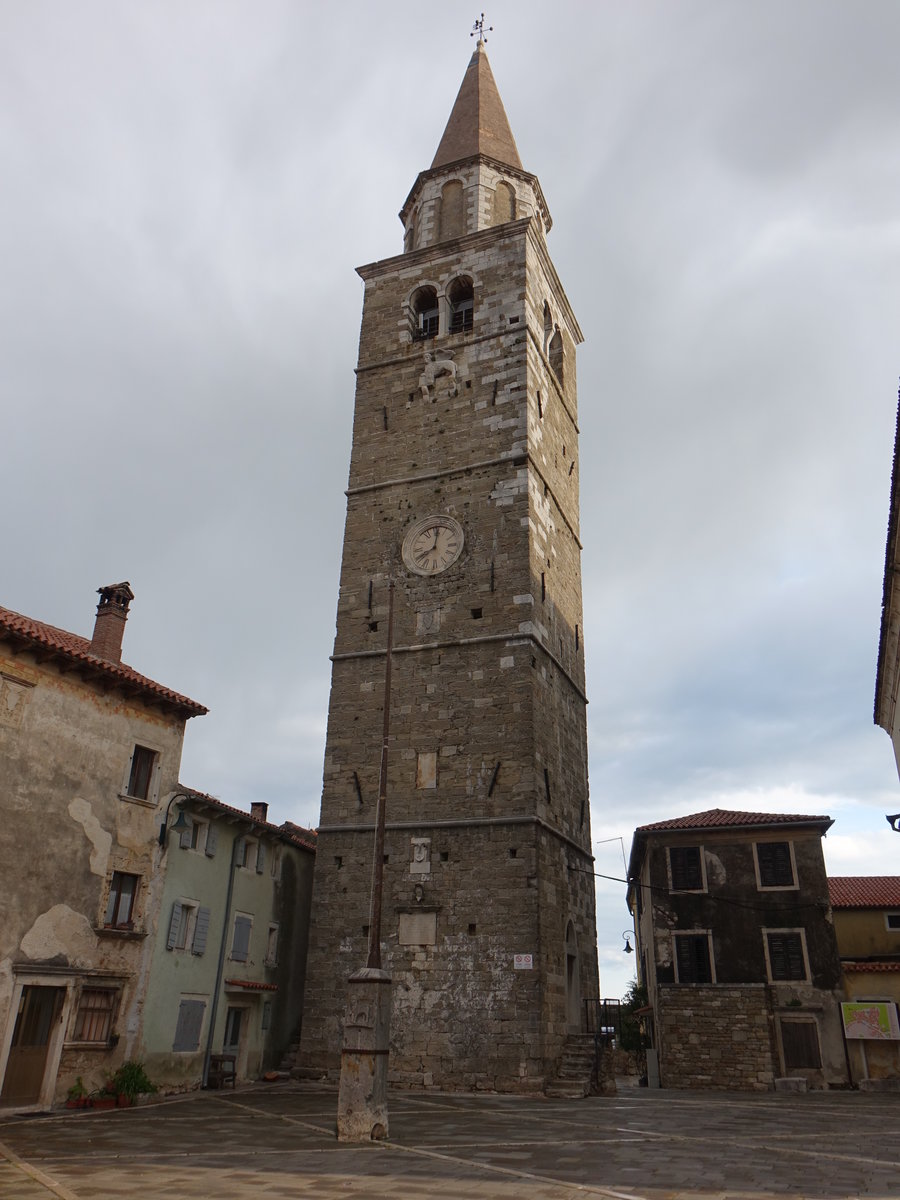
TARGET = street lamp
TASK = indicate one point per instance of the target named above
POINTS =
(894, 822)
(628, 947)
(181, 821)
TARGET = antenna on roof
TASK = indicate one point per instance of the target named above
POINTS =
(478, 28)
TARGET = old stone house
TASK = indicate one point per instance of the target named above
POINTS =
(228, 964)
(737, 950)
(90, 751)
(867, 926)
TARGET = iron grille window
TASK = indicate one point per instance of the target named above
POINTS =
(122, 892)
(800, 1042)
(687, 871)
(93, 1022)
(775, 866)
(692, 958)
(786, 956)
(142, 763)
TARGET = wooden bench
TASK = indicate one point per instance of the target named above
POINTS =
(221, 1070)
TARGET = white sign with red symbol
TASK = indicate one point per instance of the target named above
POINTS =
(523, 962)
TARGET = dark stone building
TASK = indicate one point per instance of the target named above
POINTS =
(737, 950)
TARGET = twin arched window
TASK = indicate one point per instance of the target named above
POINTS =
(425, 309)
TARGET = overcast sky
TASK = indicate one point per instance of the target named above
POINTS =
(187, 187)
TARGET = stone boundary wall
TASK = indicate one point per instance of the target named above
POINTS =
(715, 1036)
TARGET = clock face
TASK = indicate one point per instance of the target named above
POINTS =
(432, 545)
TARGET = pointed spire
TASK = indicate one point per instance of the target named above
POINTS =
(478, 123)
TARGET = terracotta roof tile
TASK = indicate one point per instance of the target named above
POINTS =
(721, 818)
(864, 891)
(74, 649)
(251, 985)
(859, 967)
(297, 834)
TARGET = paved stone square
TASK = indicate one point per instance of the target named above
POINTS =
(279, 1141)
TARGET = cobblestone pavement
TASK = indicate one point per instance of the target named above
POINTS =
(278, 1141)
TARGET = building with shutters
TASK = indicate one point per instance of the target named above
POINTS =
(736, 947)
(867, 925)
(90, 751)
(227, 971)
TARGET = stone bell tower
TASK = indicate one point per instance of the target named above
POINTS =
(464, 490)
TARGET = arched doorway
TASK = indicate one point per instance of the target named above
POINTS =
(573, 981)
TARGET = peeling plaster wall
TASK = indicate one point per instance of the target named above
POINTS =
(65, 753)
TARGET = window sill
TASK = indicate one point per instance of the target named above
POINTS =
(107, 1046)
(134, 935)
(137, 800)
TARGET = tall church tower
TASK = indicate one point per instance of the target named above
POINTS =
(463, 490)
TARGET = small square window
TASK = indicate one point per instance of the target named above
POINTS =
(444, 855)
(692, 958)
(143, 761)
(776, 867)
(892, 921)
(96, 1009)
(787, 960)
(120, 906)
(687, 868)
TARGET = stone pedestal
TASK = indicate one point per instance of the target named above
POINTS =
(362, 1099)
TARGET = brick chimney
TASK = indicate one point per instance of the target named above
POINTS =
(259, 810)
(112, 613)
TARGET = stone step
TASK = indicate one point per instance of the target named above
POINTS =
(567, 1089)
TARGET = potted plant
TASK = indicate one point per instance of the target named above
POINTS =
(131, 1081)
(104, 1097)
(77, 1095)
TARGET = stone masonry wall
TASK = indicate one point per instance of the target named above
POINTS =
(488, 839)
(716, 1037)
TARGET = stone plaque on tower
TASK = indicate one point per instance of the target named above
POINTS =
(463, 490)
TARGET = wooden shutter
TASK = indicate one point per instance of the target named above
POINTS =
(687, 873)
(212, 836)
(174, 925)
(775, 867)
(800, 1041)
(201, 929)
(184, 839)
(786, 956)
(260, 858)
(190, 1022)
(240, 945)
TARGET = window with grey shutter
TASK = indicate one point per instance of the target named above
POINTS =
(266, 1015)
(240, 944)
(260, 858)
(201, 929)
(174, 926)
(212, 836)
(185, 838)
(786, 956)
(190, 1023)
(775, 866)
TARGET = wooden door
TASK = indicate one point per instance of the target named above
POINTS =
(39, 1009)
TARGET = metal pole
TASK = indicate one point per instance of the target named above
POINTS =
(374, 959)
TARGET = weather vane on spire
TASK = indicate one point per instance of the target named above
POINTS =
(478, 28)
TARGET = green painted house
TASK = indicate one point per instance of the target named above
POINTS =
(225, 985)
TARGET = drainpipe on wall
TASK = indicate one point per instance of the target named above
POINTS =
(220, 970)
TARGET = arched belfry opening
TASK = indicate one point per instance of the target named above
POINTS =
(425, 313)
(461, 302)
(555, 354)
